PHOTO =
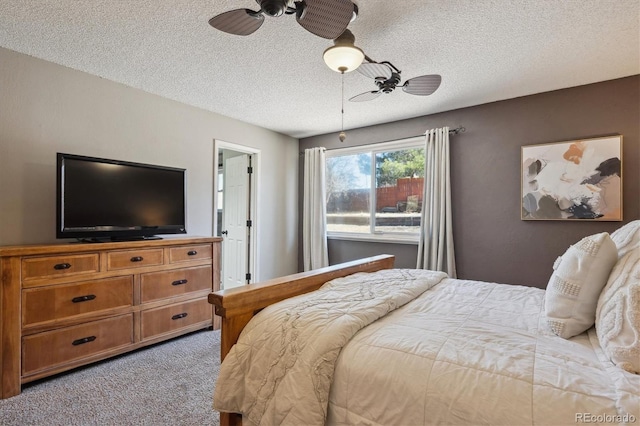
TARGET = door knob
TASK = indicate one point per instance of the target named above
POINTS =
(224, 232)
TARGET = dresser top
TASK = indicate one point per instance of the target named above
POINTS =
(79, 247)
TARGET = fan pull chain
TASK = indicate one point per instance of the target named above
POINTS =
(342, 136)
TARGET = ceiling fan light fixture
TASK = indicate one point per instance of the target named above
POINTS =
(343, 56)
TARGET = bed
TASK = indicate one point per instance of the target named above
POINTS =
(364, 343)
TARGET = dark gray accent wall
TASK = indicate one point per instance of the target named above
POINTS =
(344, 251)
(491, 242)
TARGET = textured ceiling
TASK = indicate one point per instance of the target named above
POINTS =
(485, 50)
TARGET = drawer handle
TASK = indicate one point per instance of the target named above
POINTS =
(60, 266)
(83, 298)
(178, 316)
(83, 340)
(192, 253)
(180, 282)
(137, 259)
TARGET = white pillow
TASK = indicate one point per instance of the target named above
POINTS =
(618, 310)
(575, 285)
(627, 237)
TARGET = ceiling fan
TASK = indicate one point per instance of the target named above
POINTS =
(387, 78)
(324, 18)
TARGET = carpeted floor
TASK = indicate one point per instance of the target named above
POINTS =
(167, 384)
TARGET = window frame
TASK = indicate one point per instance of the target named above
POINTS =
(373, 149)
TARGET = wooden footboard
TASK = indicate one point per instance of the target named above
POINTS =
(237, 306)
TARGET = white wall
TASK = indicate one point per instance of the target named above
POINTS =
(47, 108)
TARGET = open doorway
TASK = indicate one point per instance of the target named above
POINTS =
(236, 212)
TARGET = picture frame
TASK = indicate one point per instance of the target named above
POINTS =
(572, 180)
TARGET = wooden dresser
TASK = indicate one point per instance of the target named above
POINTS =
(67, 305)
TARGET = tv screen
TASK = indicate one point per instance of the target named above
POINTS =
(101, 199)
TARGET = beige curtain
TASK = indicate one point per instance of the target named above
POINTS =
(314, 220)
(435, 250)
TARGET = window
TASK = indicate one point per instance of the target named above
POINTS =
(375, 191)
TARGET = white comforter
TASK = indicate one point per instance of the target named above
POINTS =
(462, 352)
(468, 352)
(280, 370)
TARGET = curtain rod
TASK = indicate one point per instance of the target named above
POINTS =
(451, 131)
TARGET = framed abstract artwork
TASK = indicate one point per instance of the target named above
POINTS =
(573, 180)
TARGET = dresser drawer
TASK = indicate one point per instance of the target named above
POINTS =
(56, 266)
(63, 301)
(173, 317)
(133, 259)
(45, 350)
(186, 253)
(160, 285)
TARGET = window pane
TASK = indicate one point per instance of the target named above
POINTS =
(220, 190)
(399, 188)
(220, 181)
(348, 179)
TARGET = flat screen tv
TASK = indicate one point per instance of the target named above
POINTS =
(103, 200)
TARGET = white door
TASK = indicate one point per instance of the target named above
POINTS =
(234, 221)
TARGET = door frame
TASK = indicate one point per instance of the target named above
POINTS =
(254, 198)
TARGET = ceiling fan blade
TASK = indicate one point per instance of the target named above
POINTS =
(325, 18)
(238, 21)
(423, 85)
(366, 96)
(374, 70)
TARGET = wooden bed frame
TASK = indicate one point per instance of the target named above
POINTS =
(237, 306)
